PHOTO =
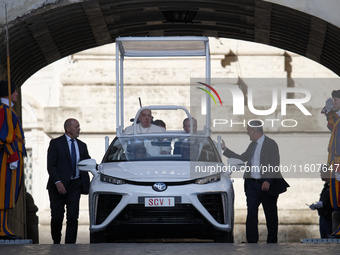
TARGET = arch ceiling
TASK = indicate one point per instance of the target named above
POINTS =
(53, 32)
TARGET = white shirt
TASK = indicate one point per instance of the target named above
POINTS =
(151, 150)
(142, 130)
(77, 153)
(255, 161)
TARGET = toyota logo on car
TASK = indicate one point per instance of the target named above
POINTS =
(159, 186)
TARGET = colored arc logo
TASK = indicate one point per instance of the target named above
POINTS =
(208, 92)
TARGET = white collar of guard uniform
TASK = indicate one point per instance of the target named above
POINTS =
(6, 101)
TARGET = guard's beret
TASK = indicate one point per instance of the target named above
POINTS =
(4, 88)
(336, 93)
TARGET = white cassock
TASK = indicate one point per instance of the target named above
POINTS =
(151, 150)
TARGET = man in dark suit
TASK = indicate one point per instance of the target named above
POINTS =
(263, 181)
(66, 183)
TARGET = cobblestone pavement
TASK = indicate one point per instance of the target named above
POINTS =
(169, 248)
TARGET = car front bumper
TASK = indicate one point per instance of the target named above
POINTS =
(210, 204)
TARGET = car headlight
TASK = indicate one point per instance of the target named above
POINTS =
(110, 179)
(208, 179)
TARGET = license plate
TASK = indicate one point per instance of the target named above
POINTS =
(159, 201)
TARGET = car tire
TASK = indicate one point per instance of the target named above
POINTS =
(224, 237)
(97, 237)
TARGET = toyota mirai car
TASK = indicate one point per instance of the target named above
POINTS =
(160, 185)
(170, 184)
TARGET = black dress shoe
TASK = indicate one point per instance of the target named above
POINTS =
(10, 237)
(334, 236)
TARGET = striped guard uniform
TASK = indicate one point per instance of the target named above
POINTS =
(12, 148)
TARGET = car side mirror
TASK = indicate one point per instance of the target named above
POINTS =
(88, 165)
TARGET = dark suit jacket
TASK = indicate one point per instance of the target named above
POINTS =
(269, 161)
(59, 164)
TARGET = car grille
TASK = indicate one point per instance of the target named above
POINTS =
(106, 204)
(213, 203)
(179, 214)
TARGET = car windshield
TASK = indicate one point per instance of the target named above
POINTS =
(163, 148)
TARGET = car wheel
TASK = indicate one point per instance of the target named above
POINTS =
(224, 237)
(97, 237)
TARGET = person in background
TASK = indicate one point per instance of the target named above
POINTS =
(324, 207)
(186, 128)
(261, 185)
(186, 125)
(332, 112)
(160, 123)
(12, 151)
(66, 183)
(139, 152)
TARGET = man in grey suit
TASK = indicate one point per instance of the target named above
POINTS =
(66, 183)
(263, 181)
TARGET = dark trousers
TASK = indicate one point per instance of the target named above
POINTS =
(255, 197)
(57, 204)
(325, 227)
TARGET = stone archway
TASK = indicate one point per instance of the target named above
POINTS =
(53, 31)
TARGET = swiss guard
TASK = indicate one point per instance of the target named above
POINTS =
(12, 151)
(332, 111)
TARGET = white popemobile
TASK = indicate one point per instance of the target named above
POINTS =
(147, 185)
